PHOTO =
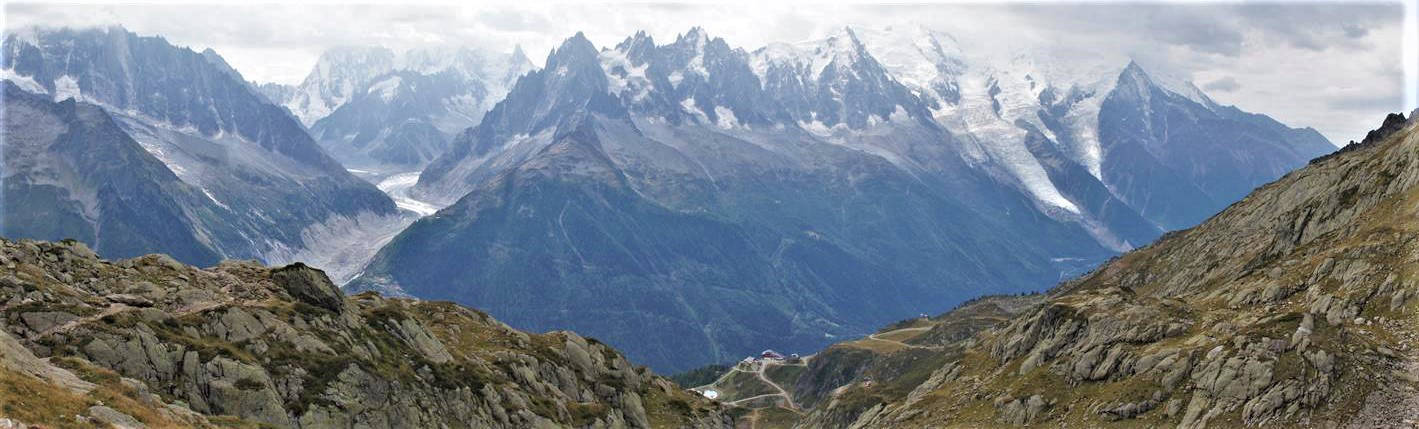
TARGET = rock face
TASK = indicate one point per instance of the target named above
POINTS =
(1181, 159)
(404, 116)
(282, 347)
(309, 285)
(60, 182)
(219, 171)
(1298, 305)
(377, 110)
(338, 75)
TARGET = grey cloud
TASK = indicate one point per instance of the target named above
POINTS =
(1226, 84)
(1202, 28)
(1200, 33)
(1318, 26)
(1219, 29)
(1355, 31)
(1376, 103)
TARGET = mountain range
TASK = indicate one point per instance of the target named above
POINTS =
(721, 199)
(693, 202)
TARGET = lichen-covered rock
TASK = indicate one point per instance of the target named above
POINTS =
(1019, 411)
(113, 418)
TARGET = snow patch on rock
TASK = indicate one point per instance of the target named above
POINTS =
(24, 82)
(623, 76)
(726, 118)
(386, 88)
(66, 87)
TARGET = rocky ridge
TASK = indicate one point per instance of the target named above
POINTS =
(889, 363)
(1295, 306)
(152, 342)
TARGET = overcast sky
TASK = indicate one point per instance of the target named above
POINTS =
(1337, 67)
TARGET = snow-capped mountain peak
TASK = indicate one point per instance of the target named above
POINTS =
(343, 72)
(696, 36)
(472, 63)
(434, 59)
(840, 50)
(1134, 74)
(810, 58)
(915, 55)
(841, 55)
(690, 48)
(636, 41)
(573, 50)
(375, 108)
(927, 61)
(1134, 80)
(338, 74)
(518, 55)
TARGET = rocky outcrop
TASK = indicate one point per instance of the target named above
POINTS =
(15, 357)
(282, 347)
(309, 285)
(1019, 411)
(1294, 307)
(852, 384)
(36, 390)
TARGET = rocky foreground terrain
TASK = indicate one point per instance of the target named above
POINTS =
(150, 342)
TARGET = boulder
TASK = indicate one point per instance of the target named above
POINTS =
(309, 285)
(114, 418)
(130, 300)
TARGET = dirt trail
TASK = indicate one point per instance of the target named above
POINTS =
(740, 401)
(873, 337)
(721, 378)
(754, 419)
(786, 397)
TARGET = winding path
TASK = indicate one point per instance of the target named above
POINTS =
(759, 371)
(781, 392)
